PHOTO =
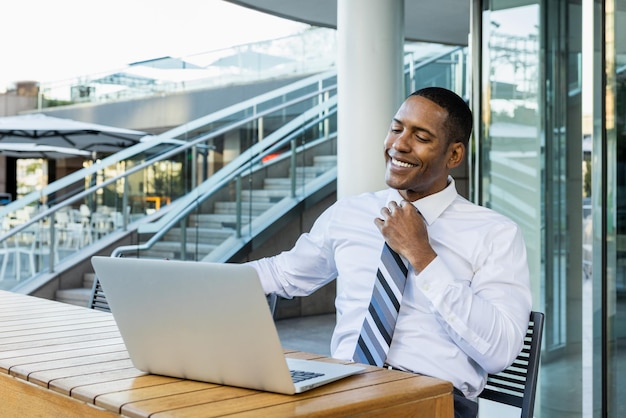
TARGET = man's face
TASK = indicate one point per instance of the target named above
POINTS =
(417, 153)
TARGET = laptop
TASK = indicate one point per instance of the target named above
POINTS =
(204, 321)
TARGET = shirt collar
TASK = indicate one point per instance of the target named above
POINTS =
(432, 206)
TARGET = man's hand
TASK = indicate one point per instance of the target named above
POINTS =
(404, 229)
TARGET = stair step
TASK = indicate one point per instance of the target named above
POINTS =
(269, 195)
(206, 231)
(216, 220)
(325, 160)
(310, 170)
(277, 183)
(256, 208)
(176, 247)
(79, 296)
(204, 235)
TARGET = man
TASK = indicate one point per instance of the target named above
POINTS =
(466, 303)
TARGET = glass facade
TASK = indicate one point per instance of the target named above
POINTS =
(610, 239)
(551, 155)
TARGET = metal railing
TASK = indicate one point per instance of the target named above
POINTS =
(309, 133)
(139, 183)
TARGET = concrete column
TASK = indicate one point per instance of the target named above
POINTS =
(370, 36)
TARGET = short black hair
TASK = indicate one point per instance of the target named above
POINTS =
(459, 121)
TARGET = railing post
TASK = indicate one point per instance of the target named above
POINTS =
(260, 133)
(194, 167)
(183, 240)
(293, 168)
(412, 86)
(53, 249)
(238, 205)
(326, 120)
(125, 212)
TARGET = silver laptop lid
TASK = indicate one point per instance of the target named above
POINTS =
(201, 321)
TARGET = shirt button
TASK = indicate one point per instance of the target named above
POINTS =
(426, 286)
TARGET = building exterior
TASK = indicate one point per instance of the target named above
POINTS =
(548, 92)
(548, 81)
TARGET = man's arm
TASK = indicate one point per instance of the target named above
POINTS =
(487, 317)
(302, 270)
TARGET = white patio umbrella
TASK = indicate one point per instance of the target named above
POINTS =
(58, 132)
(40, 151)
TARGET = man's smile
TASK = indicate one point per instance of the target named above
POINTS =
(402, 163)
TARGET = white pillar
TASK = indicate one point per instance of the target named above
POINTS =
(370, 89)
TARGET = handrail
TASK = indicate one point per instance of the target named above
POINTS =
(241, 162)
(321, 89)
(234, 169)
(164, 156)
(171, 136)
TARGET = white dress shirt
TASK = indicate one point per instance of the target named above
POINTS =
(463, 316)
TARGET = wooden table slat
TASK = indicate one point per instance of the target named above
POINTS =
(67, 337)
(54, 350)
(87, 388)
(47, 331)
(203, 395)
(49, 324)
(47, 372)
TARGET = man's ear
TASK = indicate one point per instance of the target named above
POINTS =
(457, 154)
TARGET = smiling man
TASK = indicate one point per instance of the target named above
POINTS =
(464, 299)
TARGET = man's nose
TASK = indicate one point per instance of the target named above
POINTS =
(401, 142)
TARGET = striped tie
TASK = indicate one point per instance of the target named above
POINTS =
(380, 320)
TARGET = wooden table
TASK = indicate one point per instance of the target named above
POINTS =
(63, 360)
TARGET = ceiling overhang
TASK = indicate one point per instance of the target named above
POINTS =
(438, 21)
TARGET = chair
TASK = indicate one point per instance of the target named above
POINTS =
(516, 385)
(5, 253)
(35, 244)
(98, 299)
(68, 231)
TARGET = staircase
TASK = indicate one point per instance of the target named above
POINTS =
(205, 232)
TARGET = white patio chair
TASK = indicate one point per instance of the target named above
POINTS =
(36, 245)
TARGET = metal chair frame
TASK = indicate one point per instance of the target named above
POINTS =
(517, 384)
(98, 299)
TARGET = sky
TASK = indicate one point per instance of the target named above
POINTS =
(54, 40)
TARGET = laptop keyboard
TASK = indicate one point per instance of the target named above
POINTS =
(301, 375)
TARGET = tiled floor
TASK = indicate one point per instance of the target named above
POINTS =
(310, 333)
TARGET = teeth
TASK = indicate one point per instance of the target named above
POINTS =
(401, 163)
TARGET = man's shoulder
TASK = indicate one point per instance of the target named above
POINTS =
(462, 204)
